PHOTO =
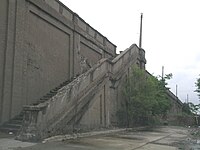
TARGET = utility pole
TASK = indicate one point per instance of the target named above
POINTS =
(176, 90)
(140, 40)
(162, 73)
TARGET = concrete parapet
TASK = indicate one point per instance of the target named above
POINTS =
(54, 4)
(124, 57)
(80, 22)
(90, 31)
(31, 131)
(67, 14)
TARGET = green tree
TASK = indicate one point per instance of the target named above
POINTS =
(145, 96)
(194, 108)
(186, 109)
(198, 87)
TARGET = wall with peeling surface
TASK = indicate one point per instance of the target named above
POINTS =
(43, 43)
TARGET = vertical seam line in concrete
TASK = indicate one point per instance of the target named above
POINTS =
(4, 62)
(73, 54)
(73, 51)
(13, 59)
(104, 105)
(70, 53)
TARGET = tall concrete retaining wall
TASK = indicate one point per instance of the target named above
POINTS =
(43, 43)
(176, 104)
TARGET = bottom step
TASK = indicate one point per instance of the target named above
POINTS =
(8, 130)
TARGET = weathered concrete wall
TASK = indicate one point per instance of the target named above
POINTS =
(85, 103)
(43, 44)
(176, 104)
(120, 71)
(48, 55)
(3, 31)
(61, 113)
(97, 114)
(11, 73)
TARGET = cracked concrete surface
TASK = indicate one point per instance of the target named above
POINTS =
(159, 138)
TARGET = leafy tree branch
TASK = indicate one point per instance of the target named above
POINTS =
(145, 96)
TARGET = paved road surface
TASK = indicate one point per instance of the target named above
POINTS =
(162, 138)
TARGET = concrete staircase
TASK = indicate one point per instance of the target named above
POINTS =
(13, 126)
(63, 107)
(51, 93)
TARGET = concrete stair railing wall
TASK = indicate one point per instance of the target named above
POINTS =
(42, 119)
(53, 116)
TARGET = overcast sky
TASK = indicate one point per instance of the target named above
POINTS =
(171, 34)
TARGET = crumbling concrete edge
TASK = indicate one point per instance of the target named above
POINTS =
(58, 138)
(81, 135)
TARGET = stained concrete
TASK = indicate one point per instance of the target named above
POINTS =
(8, 142)
(42, 44)
(48, 44)
(160, 138)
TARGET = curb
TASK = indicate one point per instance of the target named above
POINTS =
(81, 135)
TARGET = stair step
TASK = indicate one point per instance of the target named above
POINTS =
(44, 98)
(14, 121)
(50, 94)
(7, 130)
(57, 88)
(64, 83)
(19, 117)
(53, 92)
(36, 103)
(61, 85)
(41, 101)
(12, 126)
(15, 124)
